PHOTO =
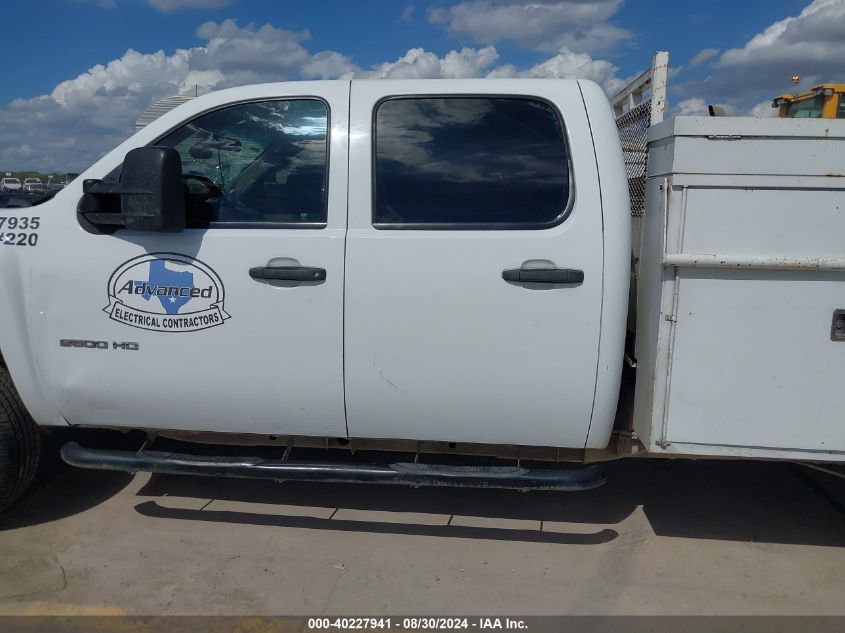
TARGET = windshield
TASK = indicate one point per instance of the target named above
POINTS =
(12, 181)
(806, 108)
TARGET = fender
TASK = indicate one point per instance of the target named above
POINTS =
(16, 337)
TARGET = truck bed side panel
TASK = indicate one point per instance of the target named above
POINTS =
(740, 356)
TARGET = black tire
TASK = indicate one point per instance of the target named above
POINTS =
(20, 443)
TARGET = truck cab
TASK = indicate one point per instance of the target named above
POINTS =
(433, 268)
(426, 260)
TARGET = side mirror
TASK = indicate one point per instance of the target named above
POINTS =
(152, 195)
(149, 197)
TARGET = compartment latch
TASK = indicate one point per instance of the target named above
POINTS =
(837, 328)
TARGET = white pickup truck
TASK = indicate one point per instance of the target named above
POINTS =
(436, 273)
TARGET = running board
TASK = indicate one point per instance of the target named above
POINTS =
(506, 477)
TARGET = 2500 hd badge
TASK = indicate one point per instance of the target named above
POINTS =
(166, 292)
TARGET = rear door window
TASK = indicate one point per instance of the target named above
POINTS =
(469, 163)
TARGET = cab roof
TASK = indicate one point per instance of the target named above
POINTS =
(815, 91)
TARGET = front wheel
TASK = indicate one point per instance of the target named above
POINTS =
(20, 443)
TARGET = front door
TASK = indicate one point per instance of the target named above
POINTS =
(190, 330)
(474, 263)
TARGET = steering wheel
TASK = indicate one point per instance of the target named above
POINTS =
(213, 190)
(228, 208)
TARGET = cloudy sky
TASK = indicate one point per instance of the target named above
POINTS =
(77, 73)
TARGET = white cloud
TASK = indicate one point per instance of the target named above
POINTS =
(569, 65)
(168, 6)
(703, 56)
(407, 13)
(810, 44)
(692, 107)
(697, 106)
(763, 110)
(82, 118)
(328, 65)
(548, 25)
(420, 64)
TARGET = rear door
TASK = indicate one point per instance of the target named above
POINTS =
(143, 329)
(473, 263)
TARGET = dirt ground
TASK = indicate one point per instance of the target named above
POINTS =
(661, 537)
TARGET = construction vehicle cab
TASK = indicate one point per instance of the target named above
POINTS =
(825, 101)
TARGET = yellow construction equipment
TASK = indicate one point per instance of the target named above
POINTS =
(825, 101)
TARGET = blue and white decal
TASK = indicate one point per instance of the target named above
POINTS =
(166, 292)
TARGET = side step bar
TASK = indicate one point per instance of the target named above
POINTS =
(507, 477)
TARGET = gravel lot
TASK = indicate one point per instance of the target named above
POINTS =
(667, 537)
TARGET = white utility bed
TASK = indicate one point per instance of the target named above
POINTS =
(741, 268)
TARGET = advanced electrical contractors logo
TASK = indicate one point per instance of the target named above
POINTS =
(166, 292)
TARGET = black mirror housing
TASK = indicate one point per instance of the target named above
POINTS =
(152, 195)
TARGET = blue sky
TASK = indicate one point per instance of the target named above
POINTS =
(57, 42)
(74, 36)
